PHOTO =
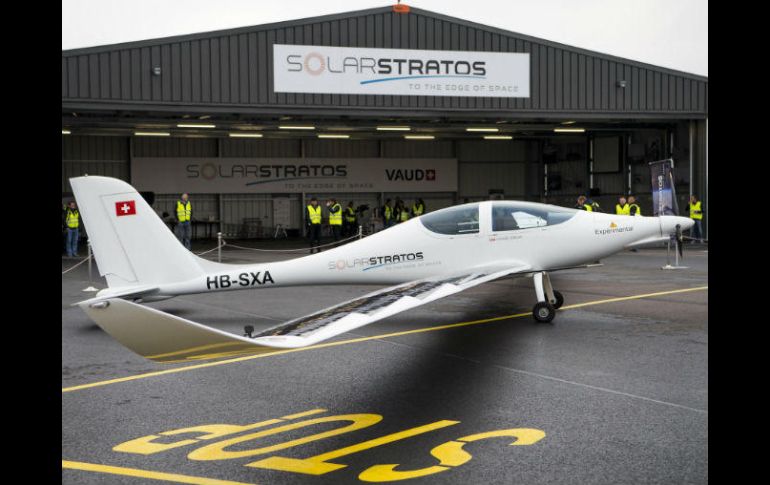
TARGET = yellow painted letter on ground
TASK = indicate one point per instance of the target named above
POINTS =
(319, 464)
(216, 451)
(449, 454)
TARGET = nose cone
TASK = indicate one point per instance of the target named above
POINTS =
(668, 224)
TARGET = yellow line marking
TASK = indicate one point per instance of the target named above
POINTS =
(365, 339)
(303, 414)
(635, 297)
(136, 472)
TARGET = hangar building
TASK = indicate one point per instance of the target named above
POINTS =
(373, 104)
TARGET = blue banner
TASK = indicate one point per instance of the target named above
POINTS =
(663, 193)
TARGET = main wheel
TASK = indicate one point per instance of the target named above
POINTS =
(559, 299)
(543, 312)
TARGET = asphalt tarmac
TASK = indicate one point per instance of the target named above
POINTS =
(614, 390)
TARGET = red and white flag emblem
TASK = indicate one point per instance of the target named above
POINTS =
(125, 208)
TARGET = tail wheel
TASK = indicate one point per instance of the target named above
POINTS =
(543, 312)
(559, 299)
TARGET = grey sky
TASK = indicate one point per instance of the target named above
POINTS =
(667, 33)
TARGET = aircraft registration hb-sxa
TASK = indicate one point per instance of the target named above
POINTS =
(429, 257)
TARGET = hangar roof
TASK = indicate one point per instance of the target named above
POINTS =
(229, 73)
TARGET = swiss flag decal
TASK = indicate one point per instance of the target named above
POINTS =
(125, 208)
(430, 174)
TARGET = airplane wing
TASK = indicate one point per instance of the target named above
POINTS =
(163, 337)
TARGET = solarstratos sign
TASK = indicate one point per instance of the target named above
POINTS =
(293, 175)
(353, 70)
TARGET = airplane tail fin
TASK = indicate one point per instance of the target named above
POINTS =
(131, 244)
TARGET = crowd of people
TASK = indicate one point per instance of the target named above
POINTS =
(345, 223)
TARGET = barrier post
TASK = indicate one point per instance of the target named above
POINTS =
(90, 274)
(668, 257)
(360, 231)
(219, 247)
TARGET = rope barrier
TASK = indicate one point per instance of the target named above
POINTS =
(335, 243)
(75, 266)
(235, 246)
(224, 243)
(695, 239)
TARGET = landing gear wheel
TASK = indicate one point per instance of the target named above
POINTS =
(559, 299)
(543, 312)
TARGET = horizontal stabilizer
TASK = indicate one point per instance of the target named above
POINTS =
(163, 337)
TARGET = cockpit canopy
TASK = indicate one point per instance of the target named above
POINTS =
(506, 216)
(509, 216)
(461, 219)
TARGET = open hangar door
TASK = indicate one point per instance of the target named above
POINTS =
(606, 165)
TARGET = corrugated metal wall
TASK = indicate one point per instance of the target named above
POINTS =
(418, 149)
(93, 155)
(175, 147)
(476, 179)
(498, 165)
(235, 68)
(242, 148)
(342, 148)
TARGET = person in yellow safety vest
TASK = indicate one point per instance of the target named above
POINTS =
(696, 214)
(387, 214)
(402, 213)
(349, 226)
(183, 218)
(335, 218)
(314, 225)
(418, 208)
(582, 205)
(633, 207)
(72, 220)
(622, 208)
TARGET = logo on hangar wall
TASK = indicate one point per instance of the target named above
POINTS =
(412, 72)
(259, 174)
(410, 175)
(265, 173)
(310, 175)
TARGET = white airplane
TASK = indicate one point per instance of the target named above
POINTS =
(426, 258)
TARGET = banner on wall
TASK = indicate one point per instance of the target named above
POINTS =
(663, 191)
(407, 72)
(293, 175)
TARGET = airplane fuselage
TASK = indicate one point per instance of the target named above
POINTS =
(410, 250)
